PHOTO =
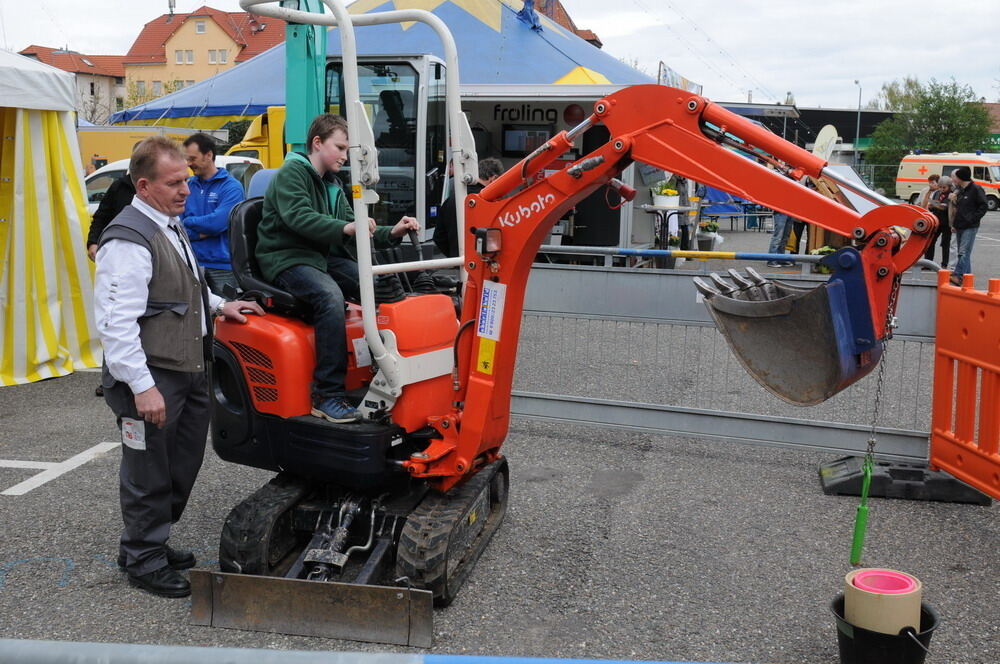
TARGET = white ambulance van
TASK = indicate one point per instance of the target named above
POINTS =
(914, 170)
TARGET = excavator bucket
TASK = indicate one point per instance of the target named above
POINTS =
(802, 344)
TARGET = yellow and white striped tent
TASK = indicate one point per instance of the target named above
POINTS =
(46, 282)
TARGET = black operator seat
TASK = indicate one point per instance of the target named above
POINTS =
(243, 221)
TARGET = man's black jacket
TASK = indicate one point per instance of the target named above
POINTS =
(970, 206)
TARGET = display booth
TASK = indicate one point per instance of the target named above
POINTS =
(46, 302)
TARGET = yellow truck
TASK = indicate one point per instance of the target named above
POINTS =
(100, 145)
(257, 143)
(914, 169)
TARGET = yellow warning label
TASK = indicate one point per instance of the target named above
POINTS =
(487, 350)
(473, 517)
(356, 191)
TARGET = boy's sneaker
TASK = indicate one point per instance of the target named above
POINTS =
(336, 409)
(775, 264)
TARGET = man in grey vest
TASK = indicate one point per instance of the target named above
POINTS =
(154, 315)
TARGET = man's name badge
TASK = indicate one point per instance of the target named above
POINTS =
(134, 434)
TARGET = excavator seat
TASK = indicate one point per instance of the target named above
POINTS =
(243, 221)
(802, 344)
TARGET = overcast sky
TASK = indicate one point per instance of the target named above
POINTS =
(814, 50)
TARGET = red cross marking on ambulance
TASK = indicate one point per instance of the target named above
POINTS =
(922, 170)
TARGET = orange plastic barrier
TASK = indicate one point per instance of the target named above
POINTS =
(965, 417)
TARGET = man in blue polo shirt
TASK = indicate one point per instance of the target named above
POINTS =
(214, 192)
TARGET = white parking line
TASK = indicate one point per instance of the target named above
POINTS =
(50, 471)
(37, 465)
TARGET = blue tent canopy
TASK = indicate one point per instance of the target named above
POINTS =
(499, 42)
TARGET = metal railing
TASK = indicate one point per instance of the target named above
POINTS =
(636, 349)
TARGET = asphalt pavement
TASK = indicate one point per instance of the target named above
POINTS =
(616, 545)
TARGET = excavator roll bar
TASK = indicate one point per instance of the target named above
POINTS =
(395, 370)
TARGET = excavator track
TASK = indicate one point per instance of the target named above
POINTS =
(444, 536)
(258, 532)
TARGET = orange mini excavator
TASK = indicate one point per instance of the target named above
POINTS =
(366, 524)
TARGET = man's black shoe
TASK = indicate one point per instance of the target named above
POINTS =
(176, 559)
(165, 582)
(99, 391)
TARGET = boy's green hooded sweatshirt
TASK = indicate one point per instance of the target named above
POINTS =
(303, 221)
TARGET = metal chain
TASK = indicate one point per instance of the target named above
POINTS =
(890, 325)
(861, 520)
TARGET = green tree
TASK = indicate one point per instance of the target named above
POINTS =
(897, 95)
(936, 117)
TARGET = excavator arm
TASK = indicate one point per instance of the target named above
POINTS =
(832, 335)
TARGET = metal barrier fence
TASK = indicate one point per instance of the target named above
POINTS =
(637, 349)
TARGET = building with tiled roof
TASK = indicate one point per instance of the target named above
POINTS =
(100, 79)
(174, 51)
(554, 9)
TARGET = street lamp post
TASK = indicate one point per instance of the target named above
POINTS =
(857, 129)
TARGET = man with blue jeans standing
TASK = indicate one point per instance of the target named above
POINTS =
(779, 238)
(214, 193)
(970, 206)
(305, 245)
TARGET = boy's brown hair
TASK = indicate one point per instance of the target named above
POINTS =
(323, 126)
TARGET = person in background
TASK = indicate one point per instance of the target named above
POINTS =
(937, 203)
(154, 316)
(924, 198)
(305, 244)
(214, 193)
(970, 206)
(445, 231)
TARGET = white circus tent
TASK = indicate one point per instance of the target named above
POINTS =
(46, 302)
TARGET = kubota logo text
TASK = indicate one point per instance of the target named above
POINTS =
(527, 210)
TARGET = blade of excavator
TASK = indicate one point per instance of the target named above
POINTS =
(802, 345)
(376, 614)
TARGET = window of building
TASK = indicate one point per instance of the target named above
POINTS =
(140, 88)
(93, 91)
(157, 88)
(190, 57)
(119, 103)
(179, 57)
(223, 56)
(199, 27)
(211, 56)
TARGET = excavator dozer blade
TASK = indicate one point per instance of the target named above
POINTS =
(802, 345)
(376, 614)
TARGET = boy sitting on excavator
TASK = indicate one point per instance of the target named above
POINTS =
(305, 246)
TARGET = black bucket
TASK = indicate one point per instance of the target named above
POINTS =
(862, 646)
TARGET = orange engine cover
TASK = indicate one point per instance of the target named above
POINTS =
(278, 356)
(422, 324)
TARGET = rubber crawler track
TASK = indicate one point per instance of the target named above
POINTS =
(245, 543)
(422, 555)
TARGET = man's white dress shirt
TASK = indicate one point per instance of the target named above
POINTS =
(121, 288)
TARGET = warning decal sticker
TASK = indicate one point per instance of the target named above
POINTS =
(491, 310)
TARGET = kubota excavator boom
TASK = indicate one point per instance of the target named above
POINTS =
(803, 345)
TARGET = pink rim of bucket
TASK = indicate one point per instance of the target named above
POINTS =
(884, 582)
